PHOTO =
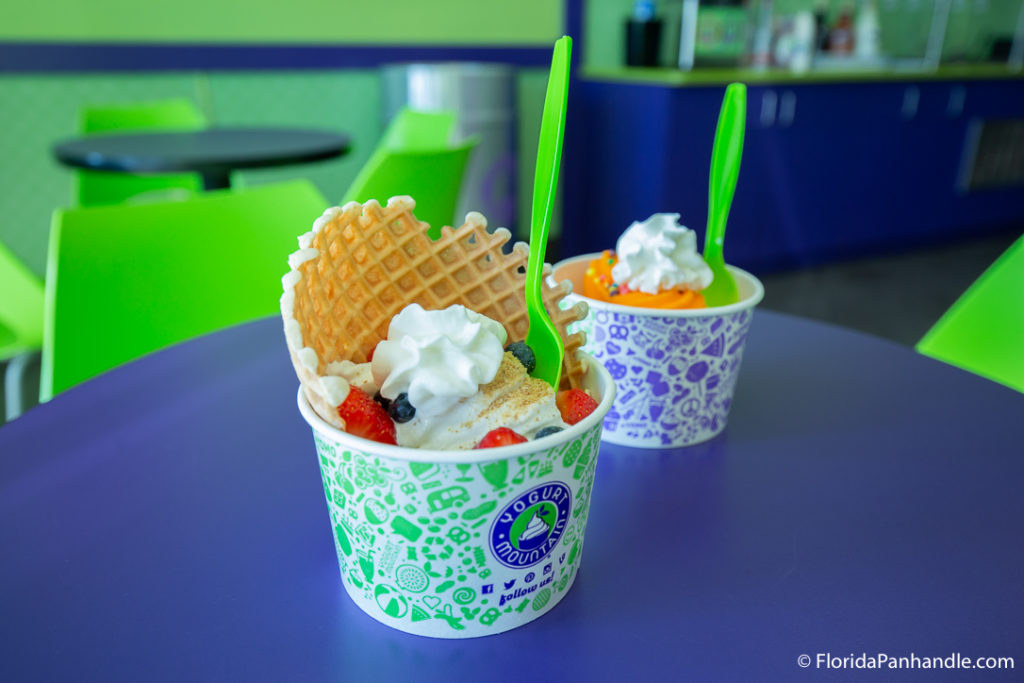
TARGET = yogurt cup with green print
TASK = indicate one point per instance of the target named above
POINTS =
(464, 543)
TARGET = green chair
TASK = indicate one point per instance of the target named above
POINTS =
(414, 158)
(95, 188)
(983, 331)
(21, 307)
(21, 327)
(129, 279)
(412, 129)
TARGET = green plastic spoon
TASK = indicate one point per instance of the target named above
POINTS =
(725, 169)
(542, 337)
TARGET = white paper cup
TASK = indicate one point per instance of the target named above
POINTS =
(460, 544)
(675, 369)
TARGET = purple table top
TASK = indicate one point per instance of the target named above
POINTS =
(166, 521)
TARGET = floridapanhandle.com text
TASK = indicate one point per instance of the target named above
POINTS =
(881, 660)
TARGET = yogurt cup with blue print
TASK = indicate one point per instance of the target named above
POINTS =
(458, 486)
(675, 360)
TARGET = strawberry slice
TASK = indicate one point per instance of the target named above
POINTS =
(574, 405)
(502, 436)
(366, 418)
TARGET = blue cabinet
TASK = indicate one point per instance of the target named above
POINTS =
(830, 170)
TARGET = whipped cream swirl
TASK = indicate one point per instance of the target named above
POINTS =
(437, 357)
(659, 254)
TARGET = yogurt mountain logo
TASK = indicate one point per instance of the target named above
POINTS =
(529, 527)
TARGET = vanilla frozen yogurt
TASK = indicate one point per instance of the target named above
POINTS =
(513, 399)
(452, 366)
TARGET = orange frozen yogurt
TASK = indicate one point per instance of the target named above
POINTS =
(599, 284)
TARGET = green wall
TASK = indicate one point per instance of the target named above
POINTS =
(423, 22)
(38, 110)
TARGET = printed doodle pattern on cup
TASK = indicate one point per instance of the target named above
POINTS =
(675, 375)
(458, 550)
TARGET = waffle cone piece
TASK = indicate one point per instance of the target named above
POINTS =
(363, 263)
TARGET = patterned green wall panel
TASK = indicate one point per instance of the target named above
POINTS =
(342, 101)
(37, 111)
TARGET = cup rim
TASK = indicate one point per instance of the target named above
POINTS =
(605, 384)
(743, 304)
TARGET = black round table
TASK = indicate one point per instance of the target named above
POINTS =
(213, 152)
(166, 521)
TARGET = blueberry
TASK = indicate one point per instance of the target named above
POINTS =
(401, 410)
(547, 431)
(524, 354)
(384, 402)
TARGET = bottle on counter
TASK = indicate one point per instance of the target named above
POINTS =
(722, 34)
(840, 38)
(867, 34)
(821, 26)
(802, 52)
(688, 34)
(761, 50)
(643, 35)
